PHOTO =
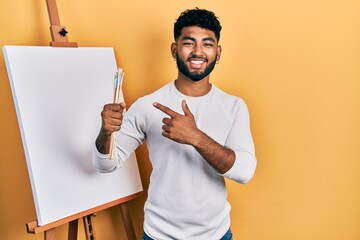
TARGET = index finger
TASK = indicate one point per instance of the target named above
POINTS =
(165, 109)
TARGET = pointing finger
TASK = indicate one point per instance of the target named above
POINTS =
(165, 109)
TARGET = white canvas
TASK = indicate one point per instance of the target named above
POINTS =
(58, 95)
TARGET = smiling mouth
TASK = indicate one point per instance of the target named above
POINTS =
(196, 63)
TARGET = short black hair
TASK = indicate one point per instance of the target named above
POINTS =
(200, 18)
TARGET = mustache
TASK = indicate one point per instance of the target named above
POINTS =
(193, 56)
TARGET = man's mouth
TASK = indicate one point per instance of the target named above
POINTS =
(197, 63)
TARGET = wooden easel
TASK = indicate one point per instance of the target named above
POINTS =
(59, 39)
(49, 229)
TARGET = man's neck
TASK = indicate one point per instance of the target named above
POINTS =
(193, 89)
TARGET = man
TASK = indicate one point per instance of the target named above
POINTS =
(196, 135)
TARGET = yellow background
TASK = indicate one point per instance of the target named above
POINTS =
(295, 63)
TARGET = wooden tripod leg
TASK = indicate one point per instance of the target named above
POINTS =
(73, 230)
(126, 217)
(49, 234)
(89, 228)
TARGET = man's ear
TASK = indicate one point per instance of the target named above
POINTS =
(218, 53)
(173, 50)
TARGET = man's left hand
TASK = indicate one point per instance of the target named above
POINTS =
(177, 127)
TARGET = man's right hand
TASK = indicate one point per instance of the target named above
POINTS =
(112, 116)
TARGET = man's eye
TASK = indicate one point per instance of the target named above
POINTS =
(208, 44)
(188, 43)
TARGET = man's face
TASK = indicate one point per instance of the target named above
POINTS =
(196, 52)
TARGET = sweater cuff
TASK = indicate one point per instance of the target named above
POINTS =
(243, 169)
(102, 163)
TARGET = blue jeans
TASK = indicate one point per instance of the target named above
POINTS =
(227, 236)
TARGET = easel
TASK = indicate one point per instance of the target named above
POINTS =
(59, 39)
(49, 229)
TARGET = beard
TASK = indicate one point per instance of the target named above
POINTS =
(195, 77)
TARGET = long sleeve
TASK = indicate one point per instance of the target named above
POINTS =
(102, 163)
(240, 140)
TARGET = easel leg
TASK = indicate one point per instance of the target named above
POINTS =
(89, 228)
(129, 228)
(50, 234)
(73, 230)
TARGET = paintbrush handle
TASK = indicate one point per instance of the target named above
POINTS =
(118, 84)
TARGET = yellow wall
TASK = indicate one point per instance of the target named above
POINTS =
(296, 64)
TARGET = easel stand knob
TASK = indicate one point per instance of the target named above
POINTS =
(58, 32)
(58, 35)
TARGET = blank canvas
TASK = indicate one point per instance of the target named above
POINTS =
(58, 95)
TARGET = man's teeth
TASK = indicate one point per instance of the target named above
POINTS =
(197, 61)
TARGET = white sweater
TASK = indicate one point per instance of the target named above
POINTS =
(187, 198)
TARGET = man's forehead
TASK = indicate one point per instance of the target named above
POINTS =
(197, 33)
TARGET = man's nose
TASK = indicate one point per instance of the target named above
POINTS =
(198, 50)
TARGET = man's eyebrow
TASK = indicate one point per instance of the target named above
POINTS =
(193, 39)
(189, 38)
(208, 39)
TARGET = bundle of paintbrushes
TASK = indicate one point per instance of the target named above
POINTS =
(118, 79)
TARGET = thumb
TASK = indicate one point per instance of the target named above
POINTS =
(185, 108)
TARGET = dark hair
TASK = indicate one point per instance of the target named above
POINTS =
(200, 18)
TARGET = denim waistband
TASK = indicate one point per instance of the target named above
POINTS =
(227, 236)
